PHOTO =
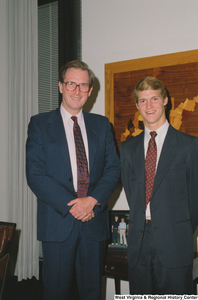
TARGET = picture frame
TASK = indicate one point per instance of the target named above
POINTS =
(118, 236)
(179, 74)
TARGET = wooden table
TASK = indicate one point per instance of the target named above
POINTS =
(116, 266)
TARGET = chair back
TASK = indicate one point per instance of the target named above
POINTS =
(6, 238)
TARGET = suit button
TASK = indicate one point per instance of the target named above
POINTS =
(70, 179)
(141, 231)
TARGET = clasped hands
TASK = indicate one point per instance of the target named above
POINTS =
(82, 208)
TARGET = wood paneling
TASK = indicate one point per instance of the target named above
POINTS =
(179, 74)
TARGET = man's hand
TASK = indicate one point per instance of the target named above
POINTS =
(82, 208)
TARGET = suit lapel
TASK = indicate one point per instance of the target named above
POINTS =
(138, 161)
(167, 157)
(57, 133)
(92, 136)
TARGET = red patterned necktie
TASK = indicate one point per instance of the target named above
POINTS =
(82, 165)
(150, 166)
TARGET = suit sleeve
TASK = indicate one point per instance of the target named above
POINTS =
(193, 182)
(45, 187)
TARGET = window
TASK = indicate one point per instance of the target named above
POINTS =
(48, 57)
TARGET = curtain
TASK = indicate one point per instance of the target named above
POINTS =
(22, 79)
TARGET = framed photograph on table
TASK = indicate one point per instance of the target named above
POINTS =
(119, 226)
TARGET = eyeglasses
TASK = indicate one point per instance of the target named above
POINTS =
(71, 86)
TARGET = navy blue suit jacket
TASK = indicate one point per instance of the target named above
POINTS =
(174, 201)
(49, 174)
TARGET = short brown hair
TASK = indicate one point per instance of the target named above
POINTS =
(149, 83)
(76, 64)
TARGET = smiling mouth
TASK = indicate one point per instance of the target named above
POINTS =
(76, 98)
(150, 112)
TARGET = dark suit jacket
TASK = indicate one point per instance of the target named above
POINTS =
(49, 174)
(174, 201)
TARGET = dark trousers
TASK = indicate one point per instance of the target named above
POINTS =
(149, 276)
(115, 235)
(79, 257)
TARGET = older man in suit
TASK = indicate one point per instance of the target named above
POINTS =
(161, 186)
(72, 210)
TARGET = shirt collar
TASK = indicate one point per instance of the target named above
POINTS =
(161, 131)
(67, 116)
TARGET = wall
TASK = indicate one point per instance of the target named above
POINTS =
(116, 30)
(3, 115)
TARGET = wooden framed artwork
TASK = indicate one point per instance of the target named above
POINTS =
(179, 74)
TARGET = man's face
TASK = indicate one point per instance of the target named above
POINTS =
(73, 101)
(151, 106)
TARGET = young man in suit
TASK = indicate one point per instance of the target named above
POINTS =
(160, 240)
(72, 211)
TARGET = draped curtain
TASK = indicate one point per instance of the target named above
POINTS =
(22, 78)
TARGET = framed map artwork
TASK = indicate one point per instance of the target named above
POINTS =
(177, 71)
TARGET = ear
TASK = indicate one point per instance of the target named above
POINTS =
(60, 85)
(165, 101)
(137, 105)
(89, 93)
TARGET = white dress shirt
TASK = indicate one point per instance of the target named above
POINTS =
(159, 139)
(68, 125)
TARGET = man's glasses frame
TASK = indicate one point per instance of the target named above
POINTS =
(71, 86)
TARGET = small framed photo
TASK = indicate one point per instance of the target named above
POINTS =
(119, 227)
